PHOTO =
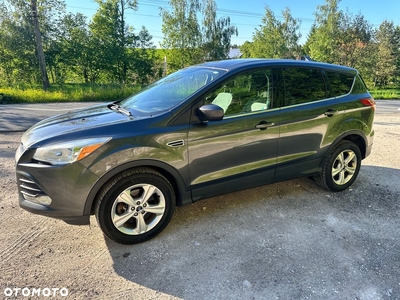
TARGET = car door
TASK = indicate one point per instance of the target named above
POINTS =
(308, 115)
(239, 151)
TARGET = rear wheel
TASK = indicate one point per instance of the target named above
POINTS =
(135, 206)
(340, 168)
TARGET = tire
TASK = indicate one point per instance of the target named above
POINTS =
(135, 206)
(340, 168)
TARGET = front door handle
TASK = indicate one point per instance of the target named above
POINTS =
(330, 112)
(264, 125)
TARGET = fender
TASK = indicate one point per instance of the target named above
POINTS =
(361, 131)
(356, 136)
(183, 194)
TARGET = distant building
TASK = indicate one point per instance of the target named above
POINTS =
(234, 53)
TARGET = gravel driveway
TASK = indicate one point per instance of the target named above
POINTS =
(291, 240)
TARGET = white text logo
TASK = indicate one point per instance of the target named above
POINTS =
(29, 292)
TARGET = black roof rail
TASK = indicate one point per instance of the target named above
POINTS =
(306, 58)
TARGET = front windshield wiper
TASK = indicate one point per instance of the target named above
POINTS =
(117, 108)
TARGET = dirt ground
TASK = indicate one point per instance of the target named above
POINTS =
(291, 240)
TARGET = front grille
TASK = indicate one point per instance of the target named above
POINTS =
(29, 187)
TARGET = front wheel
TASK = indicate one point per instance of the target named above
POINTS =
(340, 168)
(135, 206)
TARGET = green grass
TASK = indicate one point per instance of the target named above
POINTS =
(65, 93)
(105, 92)
(389, 94)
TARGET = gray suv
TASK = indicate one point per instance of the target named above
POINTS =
(205, 130)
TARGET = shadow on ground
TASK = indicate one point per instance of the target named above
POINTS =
(289, 240)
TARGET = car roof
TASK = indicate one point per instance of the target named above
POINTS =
(233, 64)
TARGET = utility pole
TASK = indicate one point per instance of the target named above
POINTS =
(39, 46)
(165, 66)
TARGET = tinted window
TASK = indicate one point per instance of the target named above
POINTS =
(303, 85)
(244, 93)
(340, 84)
(359, 86)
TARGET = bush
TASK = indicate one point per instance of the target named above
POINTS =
(5, 99)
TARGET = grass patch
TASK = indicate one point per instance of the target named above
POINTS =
(105, 93)
(66, 93)
(388, 94)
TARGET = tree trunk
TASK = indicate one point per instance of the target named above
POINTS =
(39, 47)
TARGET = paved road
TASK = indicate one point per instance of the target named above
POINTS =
(19, 117)
(387, 106)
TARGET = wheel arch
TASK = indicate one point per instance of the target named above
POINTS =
(183, 196)
(355, 136)
(359, 141)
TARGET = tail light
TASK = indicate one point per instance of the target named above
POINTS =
(369, 102)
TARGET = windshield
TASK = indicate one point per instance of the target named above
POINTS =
(171, 90)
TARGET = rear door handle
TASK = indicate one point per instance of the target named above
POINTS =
(330, 112)
(264, 125)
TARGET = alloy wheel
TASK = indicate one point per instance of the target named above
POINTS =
(344, 167)
(138, 209)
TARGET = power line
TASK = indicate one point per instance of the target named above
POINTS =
(165, 4)
(127, 13)
(240, 13)
(219, 10)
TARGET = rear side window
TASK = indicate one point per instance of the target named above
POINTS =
(303, 85)
(359, 86)
(340, 84)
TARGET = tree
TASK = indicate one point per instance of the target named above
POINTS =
(274, 38)
(355, 44)
(143, 57)
(17, 43)
(341, 38)
(246, 49)
(6, 53)
(114, 36)
(397, 48)
(217, 33)
(107, 49)
(354, 38)
(186, 42)
(39, 46)
(323, 40)
(182, 34)
(79, 53)
(20, 60)
(387, 60)
(50, 14)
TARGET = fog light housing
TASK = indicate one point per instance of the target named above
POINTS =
(39, 199)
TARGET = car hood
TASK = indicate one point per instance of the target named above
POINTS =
(73, 121)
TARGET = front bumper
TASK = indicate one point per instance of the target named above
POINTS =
(53, 213)
(55, 191)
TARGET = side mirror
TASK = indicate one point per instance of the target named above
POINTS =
(211, 112)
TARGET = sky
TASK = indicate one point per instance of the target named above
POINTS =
(247, 15)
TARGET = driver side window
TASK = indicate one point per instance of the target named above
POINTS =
(244, 93)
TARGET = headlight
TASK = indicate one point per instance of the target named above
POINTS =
(68, 152)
